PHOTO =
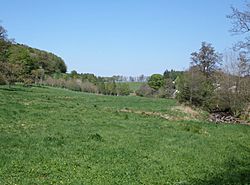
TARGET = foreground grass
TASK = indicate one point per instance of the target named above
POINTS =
(56, 136)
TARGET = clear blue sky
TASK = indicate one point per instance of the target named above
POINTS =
(127, 37)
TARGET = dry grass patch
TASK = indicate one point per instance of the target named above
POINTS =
(187, 110)
(176, 113)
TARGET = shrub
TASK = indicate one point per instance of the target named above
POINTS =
(145, 90)
(2, 80)
(88, 87)
(195, 89)
(122, 89)
(73, 85)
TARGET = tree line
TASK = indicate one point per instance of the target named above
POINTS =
(21, 63)
(87, 82)
(215, 82)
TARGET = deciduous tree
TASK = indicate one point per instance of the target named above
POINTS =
(156, 81)
(207, 59)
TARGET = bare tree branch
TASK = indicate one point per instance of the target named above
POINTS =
(240, 20)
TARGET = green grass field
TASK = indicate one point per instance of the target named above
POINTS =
(57, 136)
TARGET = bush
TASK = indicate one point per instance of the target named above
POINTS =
(110, 88)
(88, 87)
(162, 93)
(145, 90)
(73, 85)
(2, 80)
(122, 89)
(167, 90)
(195, 89)
(232, 95)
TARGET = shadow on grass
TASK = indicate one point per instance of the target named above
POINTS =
(20, 88)
(40, 86)
(12, 88)
(237, 172)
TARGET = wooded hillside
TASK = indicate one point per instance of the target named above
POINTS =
(21, 63)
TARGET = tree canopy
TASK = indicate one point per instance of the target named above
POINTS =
(156, 81)
(207, 60)
(22, 63)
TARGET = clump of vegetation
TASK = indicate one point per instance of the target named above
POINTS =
(197, 85)
(96, 137)
(223, 88)
(156, 81)
(145, 91)
(160, 86)
(87, 83)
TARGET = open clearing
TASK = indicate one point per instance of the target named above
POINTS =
(57, 136)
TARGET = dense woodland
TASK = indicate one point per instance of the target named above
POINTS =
(215, 82)
(20, 63)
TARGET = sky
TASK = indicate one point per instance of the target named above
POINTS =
(120, 37)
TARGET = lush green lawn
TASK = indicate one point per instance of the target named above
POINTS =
(56, 136)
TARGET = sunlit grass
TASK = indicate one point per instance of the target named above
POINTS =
(57, 136)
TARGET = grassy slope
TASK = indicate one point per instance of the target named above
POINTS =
(55, 136)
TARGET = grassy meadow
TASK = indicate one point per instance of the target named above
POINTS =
(56, 136)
